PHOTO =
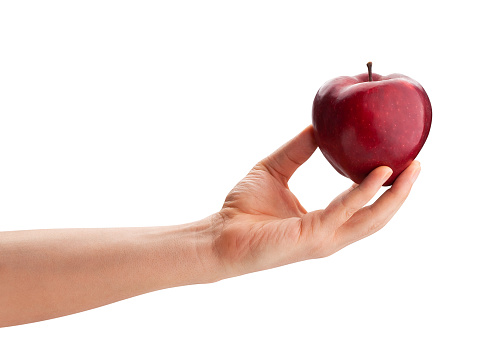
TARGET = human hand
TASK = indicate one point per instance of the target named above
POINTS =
(263, 225)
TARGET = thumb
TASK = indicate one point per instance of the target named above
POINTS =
(282, 163)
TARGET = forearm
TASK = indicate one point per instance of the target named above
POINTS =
(51, 273)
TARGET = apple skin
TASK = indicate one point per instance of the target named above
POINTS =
(360, 124)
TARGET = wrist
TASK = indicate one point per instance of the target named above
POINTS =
(208, 264)
(185, 254)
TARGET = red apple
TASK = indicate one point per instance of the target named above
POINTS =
(369, 120)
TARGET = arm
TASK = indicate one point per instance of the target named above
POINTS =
(51, 273)
(262, 225)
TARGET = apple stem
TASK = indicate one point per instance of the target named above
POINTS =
(369, 69)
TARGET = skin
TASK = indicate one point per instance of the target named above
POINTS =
(51, 273)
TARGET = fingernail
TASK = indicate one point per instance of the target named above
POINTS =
(416, 174)
(388, 174)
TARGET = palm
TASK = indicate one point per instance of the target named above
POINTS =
(263, 221)
(263, 195)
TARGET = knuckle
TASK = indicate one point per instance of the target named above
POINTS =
(270, 165)
(374, 223)
(375, 226)
(347, 208)
(367, 192)
(348, 212)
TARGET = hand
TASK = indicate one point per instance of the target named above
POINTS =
(265, 226)
(261, 225)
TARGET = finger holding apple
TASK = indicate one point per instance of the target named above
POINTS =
(369, 120)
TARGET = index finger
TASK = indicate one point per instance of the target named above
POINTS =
(372, 218)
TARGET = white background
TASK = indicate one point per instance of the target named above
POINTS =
(141, 113)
